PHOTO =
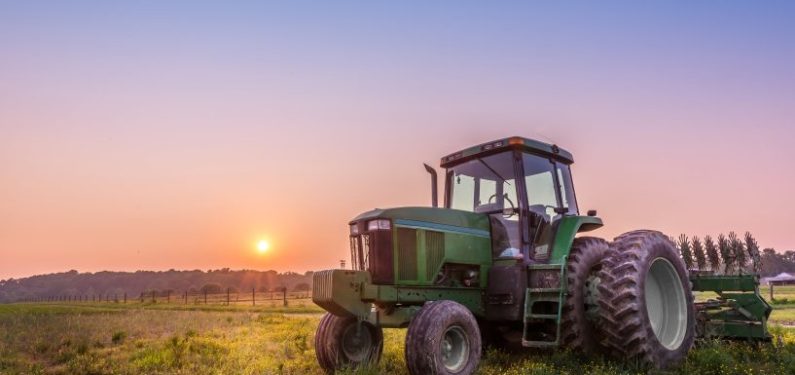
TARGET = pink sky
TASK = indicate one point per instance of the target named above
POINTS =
(130, 141)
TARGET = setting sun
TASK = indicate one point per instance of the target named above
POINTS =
(262, 246)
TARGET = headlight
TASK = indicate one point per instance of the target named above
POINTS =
(380, 224)
(354, 229)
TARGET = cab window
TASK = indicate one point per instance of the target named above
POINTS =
(540, 184)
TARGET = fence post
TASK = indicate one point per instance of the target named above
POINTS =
(227, 296)
(284, 296)
(168, 296)
(205, 296)
(142, 297)
(153, 296)
(253, 297)
(186, 297)
(771, 291)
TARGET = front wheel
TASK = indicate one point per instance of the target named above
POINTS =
(347, 343)
(443, 338)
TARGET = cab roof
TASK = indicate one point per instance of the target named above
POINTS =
(522, 144)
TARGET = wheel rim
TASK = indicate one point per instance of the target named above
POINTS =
(357, 342)
(592, 296)
(666, 305)
(455, 349)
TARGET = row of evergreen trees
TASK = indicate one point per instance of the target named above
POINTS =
(728, 255)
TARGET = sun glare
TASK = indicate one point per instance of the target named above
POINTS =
(262, 246)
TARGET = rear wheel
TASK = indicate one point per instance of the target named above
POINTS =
(346, 342)
(443, 338)
(580, 310)
(647, 305)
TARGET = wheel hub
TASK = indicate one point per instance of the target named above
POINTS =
(454, 349)
(357, 342)
(666, 305)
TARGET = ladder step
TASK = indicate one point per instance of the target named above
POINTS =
(543, 316)
(539, 344)
(545, 266)
(544, 290)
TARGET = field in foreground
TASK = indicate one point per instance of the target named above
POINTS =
(151, 339)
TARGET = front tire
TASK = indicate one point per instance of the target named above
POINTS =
(344, 342)
(647, 305)
(443, 338)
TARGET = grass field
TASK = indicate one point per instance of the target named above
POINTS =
(159, 339)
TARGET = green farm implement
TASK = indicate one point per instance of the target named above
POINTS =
(504, 263)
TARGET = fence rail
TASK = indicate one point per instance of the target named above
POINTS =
(228, 297)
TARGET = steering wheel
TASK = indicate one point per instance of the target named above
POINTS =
(513, 206)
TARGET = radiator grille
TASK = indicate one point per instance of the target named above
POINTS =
(434, 249)
(407, 253)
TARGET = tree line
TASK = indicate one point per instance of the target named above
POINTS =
(74, 283)
(733, 254)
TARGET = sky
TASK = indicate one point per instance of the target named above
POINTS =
(177, 134)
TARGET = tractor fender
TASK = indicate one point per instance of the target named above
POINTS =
(567, 229)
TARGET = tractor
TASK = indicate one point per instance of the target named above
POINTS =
(504, 263)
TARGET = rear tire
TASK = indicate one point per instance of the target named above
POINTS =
(347, 343)
(443, 338)
(647, 306)
(580, 310)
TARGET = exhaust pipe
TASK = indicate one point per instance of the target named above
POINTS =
(434, 195)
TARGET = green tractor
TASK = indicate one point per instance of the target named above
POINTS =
(502, 265)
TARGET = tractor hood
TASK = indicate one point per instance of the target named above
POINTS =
(431, 217)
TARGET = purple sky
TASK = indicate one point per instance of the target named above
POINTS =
(155, 135)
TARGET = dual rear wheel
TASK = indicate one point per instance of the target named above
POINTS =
(630, 299)
(646, 301)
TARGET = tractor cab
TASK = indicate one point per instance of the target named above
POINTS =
(525, 188)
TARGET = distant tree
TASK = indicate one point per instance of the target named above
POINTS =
(738, 251)
(698, 253)
(712, 253)
(107, 284)
(726, 254)
(302, 287)
(753, 252)
(684, 249)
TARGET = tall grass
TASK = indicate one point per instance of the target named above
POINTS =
(93, 339)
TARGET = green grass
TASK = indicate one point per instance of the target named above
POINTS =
(191, 339)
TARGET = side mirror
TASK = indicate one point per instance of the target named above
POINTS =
(591, 212)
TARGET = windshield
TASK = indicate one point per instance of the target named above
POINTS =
(483, 185)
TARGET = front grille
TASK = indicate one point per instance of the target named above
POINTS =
(357, 255)
(407, 253)
(372, 251)
(434, 248)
